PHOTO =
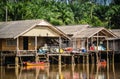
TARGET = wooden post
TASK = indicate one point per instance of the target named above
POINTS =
(83, 59)
(97, 49)
(107, 62)
(73, 69)
(36, 56)
(107, 54)
(59, 60)
(92, 59)
(17, 45)
(60, 43)
(16, 61)
(60, 70)
(113, 51)
(73, 61)
(87, 70)
(87, 45)
(36, 44)
(47, 58)
(87, 58)
(17, 72)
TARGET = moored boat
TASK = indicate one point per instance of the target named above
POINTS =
(102, 63)
(34, 63)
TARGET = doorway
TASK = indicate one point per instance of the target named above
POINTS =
(25, 43)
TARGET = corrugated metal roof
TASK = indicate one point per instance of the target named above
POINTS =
(14, 29)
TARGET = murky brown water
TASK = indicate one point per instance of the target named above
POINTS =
(65, 72)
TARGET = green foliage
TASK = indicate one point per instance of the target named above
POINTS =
(61, 12)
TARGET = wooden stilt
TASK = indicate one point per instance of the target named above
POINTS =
(59, 62)
(73, 69)
(87, 70)
(83, 59)
(113, 52)
(73, 61)
(60, 71)
(88, 59)
(17, 72)
(107, 62)
(47, 58)
(97, 57)
(48, 72)
(113, 57)
(92, 59)
(37, 59)
(108, 69)
(16, 61)
(97, 49)
(113, 71)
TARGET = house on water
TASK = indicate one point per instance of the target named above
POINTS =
(26, 37)
(117, 40)
(90, 39)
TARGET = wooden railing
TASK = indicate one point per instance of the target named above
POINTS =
(26, 53)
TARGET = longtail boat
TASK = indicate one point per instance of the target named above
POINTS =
(34, 63)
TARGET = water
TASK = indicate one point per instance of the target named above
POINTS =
(80, 71)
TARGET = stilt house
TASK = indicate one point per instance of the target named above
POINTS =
(85, 37)
(116, 40)
(27, 36)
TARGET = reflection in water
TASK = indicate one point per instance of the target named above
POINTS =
(80, 71)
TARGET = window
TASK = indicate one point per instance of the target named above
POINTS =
(11, 42)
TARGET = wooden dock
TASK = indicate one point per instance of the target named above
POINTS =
(60, 58)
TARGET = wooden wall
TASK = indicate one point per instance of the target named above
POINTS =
(31, 44)
(7, 48)
(78, 43)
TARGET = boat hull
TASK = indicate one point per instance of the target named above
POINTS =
(34, 64)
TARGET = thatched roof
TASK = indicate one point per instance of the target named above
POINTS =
(116, 31)
(14, 29)
(85, 31)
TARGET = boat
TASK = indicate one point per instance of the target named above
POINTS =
(34, 63)
(102, 63)
(34, 67)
